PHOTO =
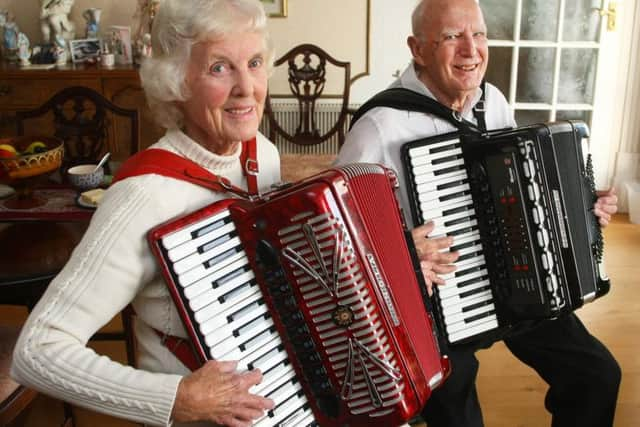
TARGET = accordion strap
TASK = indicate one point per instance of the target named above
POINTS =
(181, 349)
(166, 163)
(408, 100)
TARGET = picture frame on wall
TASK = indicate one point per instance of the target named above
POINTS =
(84, 49)
(275, 8)
(120, 40)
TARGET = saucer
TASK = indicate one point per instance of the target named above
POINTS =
(6, 191)
(84, 204)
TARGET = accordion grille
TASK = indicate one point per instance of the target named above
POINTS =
(332, 284)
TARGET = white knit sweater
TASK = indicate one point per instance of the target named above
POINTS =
(111, 267)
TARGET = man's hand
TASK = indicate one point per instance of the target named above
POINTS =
(218, 393)
(433, 262)
(605, 206)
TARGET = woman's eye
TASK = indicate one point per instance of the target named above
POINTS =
(218, 68)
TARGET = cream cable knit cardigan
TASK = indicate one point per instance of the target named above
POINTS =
(111, 267)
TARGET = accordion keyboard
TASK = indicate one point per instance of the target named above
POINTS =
(444, 196)
(232, 321)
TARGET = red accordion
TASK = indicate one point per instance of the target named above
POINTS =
(317, 285)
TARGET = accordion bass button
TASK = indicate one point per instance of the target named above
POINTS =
(532, 167)
(552, 283)
(547, 262)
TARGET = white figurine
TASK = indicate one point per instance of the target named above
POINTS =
(24, 53)
(54, 20)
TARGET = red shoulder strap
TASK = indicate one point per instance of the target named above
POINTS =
(166, 163)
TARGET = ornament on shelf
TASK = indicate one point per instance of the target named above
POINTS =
(92, 16)
(24, 51)
(143, 17)
(54, 20)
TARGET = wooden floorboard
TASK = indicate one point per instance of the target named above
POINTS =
(511, 393)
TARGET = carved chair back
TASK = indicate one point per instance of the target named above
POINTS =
(83, 119)
(307, 76)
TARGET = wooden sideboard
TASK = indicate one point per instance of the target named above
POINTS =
(22, 89)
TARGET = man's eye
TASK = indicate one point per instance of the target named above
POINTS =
(256, 62)
(479, 35)
(450, 37)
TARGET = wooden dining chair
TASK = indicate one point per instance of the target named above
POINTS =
(84, 119)
(307, 70)
(14, 398)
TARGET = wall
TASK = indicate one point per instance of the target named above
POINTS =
(338, 26)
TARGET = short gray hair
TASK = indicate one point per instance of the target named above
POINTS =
(178, 25)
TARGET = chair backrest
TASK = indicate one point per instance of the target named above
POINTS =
(307, 76)
(83, 119)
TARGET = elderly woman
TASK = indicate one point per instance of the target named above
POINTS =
(206, 83)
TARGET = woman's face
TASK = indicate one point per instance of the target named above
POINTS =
(227, 82)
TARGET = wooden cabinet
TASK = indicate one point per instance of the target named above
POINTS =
(22, 89)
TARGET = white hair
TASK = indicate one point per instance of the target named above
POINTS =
(178, 25)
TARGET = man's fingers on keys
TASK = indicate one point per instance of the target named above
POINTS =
(423, 230)
(442, 257)
(443, 268)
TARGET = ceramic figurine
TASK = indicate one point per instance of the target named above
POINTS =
(54, 20)
(24, 53)
(10, 38)
(60, 46)
(92, 16)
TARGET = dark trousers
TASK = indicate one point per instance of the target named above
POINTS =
(582, 375)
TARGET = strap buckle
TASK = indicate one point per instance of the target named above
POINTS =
(480, 106)
(251, 167)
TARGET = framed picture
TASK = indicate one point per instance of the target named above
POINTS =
(120, 37)
(275, 8)
(84, 49)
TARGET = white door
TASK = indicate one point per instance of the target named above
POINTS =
(553, 60)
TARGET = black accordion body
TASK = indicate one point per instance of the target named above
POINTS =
(519, 205)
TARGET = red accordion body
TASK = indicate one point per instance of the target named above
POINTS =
(315, 285)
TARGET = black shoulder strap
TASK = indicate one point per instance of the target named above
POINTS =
(408, 100)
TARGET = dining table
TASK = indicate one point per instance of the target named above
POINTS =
(37, 241)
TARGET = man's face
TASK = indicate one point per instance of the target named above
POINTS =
(452, 51)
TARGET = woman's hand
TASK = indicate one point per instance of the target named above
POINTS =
(605, 206)
(217, 392)
(433, 262)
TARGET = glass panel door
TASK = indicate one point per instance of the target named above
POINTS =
(543, 56)
(555, 60)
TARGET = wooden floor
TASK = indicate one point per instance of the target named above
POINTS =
(512, 395)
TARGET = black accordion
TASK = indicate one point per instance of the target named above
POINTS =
(519, 206)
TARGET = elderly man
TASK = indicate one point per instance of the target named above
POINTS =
(450, 55)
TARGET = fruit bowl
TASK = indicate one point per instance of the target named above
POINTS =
(24, 162)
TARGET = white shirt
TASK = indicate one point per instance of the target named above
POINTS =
(378, 136)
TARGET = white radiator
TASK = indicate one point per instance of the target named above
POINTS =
(288, 116)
